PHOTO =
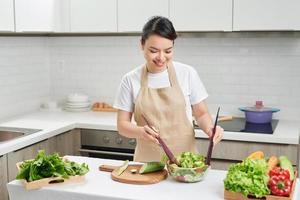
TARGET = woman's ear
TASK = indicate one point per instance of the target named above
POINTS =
(142, 45)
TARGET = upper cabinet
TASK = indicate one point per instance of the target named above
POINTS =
(201, 15)
(41, 16)
(133, 14)
(7, 16)
(93, 15)
(266, 15)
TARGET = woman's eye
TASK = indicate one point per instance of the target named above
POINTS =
(168, 52)
(152, 51)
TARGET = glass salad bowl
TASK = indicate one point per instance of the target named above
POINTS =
(192, 168)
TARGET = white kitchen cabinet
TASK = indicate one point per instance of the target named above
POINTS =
(201, 15)
(93, 15)
(3, 178)
(42, 16)
(133, 14)
(7, 16)
(266, 15)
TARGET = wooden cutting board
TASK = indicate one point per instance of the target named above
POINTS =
(134, 178)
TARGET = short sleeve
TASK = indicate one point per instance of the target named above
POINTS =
(197, 90)
(124, 96)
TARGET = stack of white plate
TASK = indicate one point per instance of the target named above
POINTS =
(77, 103)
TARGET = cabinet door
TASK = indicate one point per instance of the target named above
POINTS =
(93, 15)
(133, 14)
(3, 178)
(7, 16)
(41, 16)
(68, 143)
(23, 154)
(266, 15)
(201, 15)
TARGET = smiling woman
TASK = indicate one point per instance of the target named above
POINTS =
(165, 93)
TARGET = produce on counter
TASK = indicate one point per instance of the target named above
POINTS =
(151, 167)
(121, 169)
(256, 155)
(191, 160)
(249, 178)
(258, 176)
(280, 183)
(43, 166)
(285, 163)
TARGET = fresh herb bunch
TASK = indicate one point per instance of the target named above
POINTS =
(44, 166)
(248, 177)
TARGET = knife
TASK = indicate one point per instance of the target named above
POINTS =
(211, 141)
(121, 169)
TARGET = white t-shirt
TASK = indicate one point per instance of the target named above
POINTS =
(191, 85)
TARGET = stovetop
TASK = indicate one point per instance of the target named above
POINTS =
(240, 125)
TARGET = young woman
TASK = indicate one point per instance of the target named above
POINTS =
(164, 93)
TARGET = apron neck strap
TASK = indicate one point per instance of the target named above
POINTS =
(171, 73)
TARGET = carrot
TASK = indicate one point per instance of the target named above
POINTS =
(273, 162)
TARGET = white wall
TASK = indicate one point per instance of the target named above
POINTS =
(24, 74)
(236, 68)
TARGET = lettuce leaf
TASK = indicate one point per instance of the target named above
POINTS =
(249, 178)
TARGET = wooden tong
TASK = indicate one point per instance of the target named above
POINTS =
(211, 141)
(163, 145)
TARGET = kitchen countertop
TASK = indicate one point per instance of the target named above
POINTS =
(99, 185)
(55, 122)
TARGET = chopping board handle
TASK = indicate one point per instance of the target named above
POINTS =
(107, 168)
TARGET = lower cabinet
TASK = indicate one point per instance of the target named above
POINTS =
(227, 151)
(68, 143)
(3, 177)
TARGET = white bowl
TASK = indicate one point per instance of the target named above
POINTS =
(77, 98)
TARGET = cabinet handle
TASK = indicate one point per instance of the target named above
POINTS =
(105, 152)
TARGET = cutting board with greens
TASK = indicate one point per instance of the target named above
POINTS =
(48, 170)
(258, 177)
(138, 174)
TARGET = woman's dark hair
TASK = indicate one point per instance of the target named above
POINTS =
(158, 25)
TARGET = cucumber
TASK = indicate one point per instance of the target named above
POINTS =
(285, 163)
(151, 167)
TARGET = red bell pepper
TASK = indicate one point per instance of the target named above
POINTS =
(279, 171)
(280, 185)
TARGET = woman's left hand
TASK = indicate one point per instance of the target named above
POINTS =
(218, 135)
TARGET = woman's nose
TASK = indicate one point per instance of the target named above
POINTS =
(160, 56)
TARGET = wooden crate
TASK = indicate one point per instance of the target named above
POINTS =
(50, 181)
(238, 196)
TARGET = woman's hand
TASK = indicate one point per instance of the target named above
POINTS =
(147, 133)
(218, 135)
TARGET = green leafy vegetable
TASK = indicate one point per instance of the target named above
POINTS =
(190, 160)
(50, 166)
(248, 177)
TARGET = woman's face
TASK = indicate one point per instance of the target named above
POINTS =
(158, 51)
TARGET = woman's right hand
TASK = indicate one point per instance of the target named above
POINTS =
(147, 133)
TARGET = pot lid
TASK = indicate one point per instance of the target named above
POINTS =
(263, 109)
(259, 107)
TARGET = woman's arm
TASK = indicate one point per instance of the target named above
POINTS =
(130, 130)
(205, 122)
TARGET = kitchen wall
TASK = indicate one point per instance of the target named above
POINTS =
(24, 74)
(236, 68)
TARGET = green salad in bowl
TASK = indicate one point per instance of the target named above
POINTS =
(192, 167)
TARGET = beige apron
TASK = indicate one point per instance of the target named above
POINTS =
(165, 109)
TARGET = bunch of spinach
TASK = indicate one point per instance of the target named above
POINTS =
(44, 166)
(248, 177)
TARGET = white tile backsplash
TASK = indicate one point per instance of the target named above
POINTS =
(24, 74)
(236, 68)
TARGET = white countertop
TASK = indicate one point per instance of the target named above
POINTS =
(55, 122)
(99, 185)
